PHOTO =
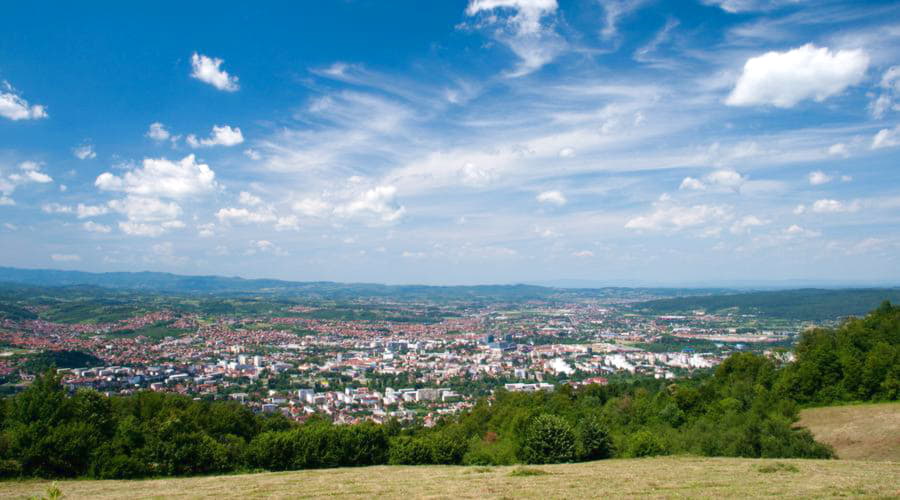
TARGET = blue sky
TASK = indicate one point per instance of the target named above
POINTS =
(480, 141)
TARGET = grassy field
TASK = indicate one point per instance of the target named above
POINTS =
(857, 432)
(650, 477)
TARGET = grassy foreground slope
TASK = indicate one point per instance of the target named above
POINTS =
(648, 477)
(857, 432)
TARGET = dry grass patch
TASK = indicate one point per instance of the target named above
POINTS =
(857, 432)
(652, 477)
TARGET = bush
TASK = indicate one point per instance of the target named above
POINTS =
(406, 450)
(594, 441)
(645, 444)
(549, 440)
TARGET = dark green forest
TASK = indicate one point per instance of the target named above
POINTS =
(747, 407)
(805, 304)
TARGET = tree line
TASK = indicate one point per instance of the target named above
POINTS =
(747, 408)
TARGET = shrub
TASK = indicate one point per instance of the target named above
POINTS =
(645, 444)
(549, 440)
(594, 440)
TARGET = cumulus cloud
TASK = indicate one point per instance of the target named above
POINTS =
(886, 138)
(146, 209)
(158, 132)
(818, 178)
(84, 152)
(745, 223)
(161, 177)
(676, 217)
(521, 26)
(378, 202)
(65, 257)
(720, 180)
(244, 215)
(147, 216)
(797, 231)
(94, 227)
(56, 208)
(249, 199)
(839, 149)
(14, 107)
(475, 176)
(783, 79)
(567, 152)
(264, 246)
(208, 70)
(311, 207)
(890, 91)
(85, 211)
(220, 136)
(834, 206)
(552, 198)
(29, 172)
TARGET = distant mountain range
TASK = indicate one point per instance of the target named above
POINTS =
(174, 283)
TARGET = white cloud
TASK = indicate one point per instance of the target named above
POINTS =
(744, 224)
(287, 222)
(796, 231)
(249, 199)
(56, 208)
(614, 11)
(675, 217)
(583, 253)
(85, 211)
(887, 99)
(740, 6)
(206, 230)
(158, 132)
(161, 177)
(252, 154)
(834, 206)
(14, 107)
(151, 230)
(208, 69)
(839, 149)
(523, 32)
(6, 201)
(472, 175)
(220, 136)
(886, 138)
(413, 255)
(264, 246)
(551, 197)
(147, 209)
(85, 152)
(311, 207)
(244, 216)
(567, 152)
(377, 202)
(693, 184)
(721, 180)
(818, 178)
(94, 227)
(31, 172)
(65, 257)
(147, 216)
(783, 79)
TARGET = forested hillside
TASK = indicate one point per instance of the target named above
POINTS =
(746, 408)
(806, 304)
